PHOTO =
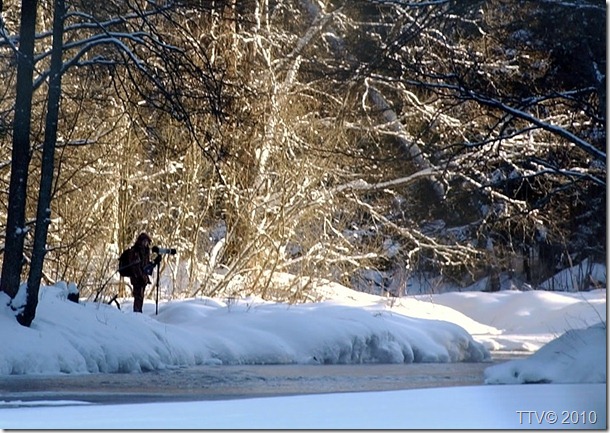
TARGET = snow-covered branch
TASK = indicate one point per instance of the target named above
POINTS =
(468, 94)
(577, 4)
(557, 130)
(450, 254)
(362, 185)
(408, 145)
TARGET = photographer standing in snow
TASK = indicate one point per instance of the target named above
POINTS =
(141, 269)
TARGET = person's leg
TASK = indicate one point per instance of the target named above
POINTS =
(138, 297)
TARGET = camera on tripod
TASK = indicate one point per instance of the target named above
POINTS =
(160, 250)
(148, 269)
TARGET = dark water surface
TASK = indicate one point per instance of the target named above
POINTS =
(214, 382)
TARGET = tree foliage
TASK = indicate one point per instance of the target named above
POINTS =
(334, 139)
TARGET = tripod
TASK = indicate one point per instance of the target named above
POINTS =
(157, 261)
(157, 264)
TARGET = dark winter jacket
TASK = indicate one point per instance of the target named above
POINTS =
(141, 259)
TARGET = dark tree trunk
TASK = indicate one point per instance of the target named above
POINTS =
(15, 224)
(43, 213)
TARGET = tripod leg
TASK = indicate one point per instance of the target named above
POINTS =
(157, 299)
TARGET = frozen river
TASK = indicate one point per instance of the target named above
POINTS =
(214, 382)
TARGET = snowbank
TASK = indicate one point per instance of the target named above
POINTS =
(524, 321)
(578, 356)
(344, 327)
(67, 337)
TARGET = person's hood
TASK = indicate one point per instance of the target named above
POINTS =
(143, 236)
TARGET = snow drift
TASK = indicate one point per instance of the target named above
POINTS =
(88, 337)
(577, 356)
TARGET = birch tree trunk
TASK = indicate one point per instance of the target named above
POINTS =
(387, 112)
(408, 146)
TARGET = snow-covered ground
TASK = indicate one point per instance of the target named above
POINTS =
(473, 407)
(346, 327)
